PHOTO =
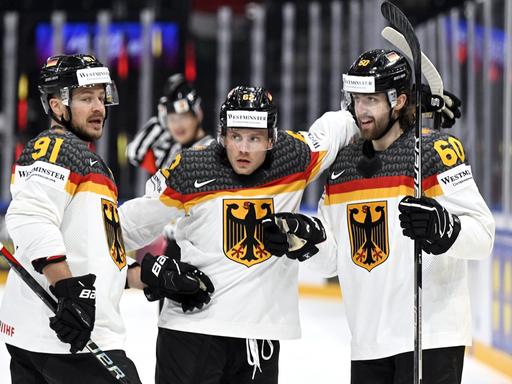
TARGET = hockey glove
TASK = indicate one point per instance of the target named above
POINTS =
(292, 233)
(451, 109)
(424, 219)
(192, 301)
(448, 105)
(74, 320)
(165, 277)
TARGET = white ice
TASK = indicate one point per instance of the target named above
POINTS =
(321, 356)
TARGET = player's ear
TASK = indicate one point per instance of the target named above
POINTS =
(199, 114)
(56, 106)
(401, 101)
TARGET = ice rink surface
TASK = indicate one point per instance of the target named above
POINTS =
(321, 356)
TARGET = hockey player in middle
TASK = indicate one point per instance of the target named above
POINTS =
(224, 192)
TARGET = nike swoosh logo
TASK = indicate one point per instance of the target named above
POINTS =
(335, 175)
(92, 162)
(198, 184)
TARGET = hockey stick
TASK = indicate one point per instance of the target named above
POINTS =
(400, 22)
(428, 69)
(50, 302)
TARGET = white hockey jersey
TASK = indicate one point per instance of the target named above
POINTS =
(64, 202)
(375, 261)
(256, 293)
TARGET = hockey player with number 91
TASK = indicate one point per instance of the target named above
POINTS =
(371, 217)
(64, 223)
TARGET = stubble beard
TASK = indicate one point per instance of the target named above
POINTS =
(89, 136)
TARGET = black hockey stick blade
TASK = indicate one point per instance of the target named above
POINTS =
(399, 21)
(102, 357)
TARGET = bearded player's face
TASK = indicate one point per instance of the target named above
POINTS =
(372, 113)
(88, 111)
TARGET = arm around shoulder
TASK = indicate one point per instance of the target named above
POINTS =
(144, 218)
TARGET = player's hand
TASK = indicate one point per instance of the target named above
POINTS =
(165, 276)
(190, 294)
(424, 219)
(448, 105)
(451, 109)
(192, 301)
(292, 233)
(76, 308)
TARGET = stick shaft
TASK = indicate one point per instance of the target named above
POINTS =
(102, 357)
(400, 22)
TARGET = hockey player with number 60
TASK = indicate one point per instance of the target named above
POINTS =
(371, 217)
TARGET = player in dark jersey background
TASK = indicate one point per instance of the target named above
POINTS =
(177, 126)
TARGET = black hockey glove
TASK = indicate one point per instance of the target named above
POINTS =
(292, 233)
(74, 320)
(192, 301)
(449, 105)
(451, 109)
(424, 219)
(166, 277)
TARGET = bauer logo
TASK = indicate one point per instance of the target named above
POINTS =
(455, 179)
(363, 84)
(247, 119)
(88, 76)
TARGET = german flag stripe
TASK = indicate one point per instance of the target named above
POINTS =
(379, 188)
(92, 182)
(297, 135)
(315, 165)
(291, 183)
(172, 198)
